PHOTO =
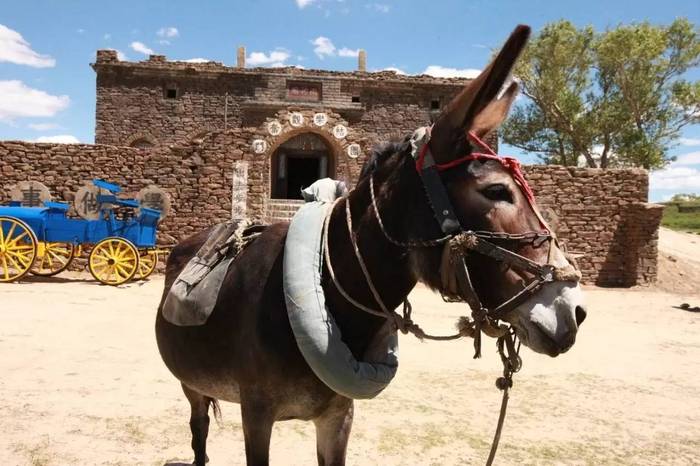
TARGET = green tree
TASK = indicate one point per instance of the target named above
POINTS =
(616, 98)
(685, 197)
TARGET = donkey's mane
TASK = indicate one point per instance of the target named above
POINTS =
(381, 152)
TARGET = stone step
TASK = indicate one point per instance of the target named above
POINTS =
(282, 210)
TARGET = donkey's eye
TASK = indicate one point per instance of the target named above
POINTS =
(497, 192)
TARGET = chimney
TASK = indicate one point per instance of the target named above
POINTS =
(107, 56)
(240, 58)
(362, 61)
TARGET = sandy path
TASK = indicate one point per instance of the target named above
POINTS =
(683, 246)
(82, 384)
(679, 263)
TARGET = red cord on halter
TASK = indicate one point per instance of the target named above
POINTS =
(510, 163)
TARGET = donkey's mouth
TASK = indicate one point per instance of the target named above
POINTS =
(535, 338)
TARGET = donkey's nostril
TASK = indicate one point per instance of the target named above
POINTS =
(580, 315)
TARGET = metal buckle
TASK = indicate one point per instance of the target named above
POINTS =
(547, 273)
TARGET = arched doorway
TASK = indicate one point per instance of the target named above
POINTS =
(298, 162)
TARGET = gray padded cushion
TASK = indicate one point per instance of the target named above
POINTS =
(315, 330)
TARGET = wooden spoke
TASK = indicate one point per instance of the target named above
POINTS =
(53, 258)
(113, 261)
(148, 259)
(24, 260)
(9, 233)
(6, 268)
(18, 248)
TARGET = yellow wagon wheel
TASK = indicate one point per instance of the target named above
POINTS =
(113, 261)
(148, 259)
(52, 258)
(17, 248)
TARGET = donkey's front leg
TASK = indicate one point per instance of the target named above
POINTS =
(258, 416)
(333, 431)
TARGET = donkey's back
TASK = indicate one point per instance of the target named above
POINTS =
(247, 343)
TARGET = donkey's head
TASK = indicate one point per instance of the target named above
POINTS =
(485, 196)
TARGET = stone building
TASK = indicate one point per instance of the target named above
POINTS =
(311, 123)
(239, 142)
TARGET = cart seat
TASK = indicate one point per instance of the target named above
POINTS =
(62, 206)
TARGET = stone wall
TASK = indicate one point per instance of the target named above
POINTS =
(601, 215)
(603, 218)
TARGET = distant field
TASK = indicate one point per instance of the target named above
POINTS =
(681, 221)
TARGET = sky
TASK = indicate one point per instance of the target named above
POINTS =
(47, 89)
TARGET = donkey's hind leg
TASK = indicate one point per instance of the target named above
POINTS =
(199, 423)
(333, 432)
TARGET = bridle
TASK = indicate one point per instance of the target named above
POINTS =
(457, 242)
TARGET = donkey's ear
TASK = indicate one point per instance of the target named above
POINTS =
(495, 112)
(459, 114)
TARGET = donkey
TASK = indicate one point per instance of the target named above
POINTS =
(246, 352)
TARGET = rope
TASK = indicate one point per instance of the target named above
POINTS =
(499, 427)
(510, 357)
(402, 323)
(407, 244)
(331, 271)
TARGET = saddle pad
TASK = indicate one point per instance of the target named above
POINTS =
(317, 335)
(193, 295)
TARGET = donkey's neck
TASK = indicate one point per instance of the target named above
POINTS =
(387, 265)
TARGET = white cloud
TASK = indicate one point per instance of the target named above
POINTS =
(324, 47)
(107, 36)
(197, 60)
(691, 158)
(14, 49)
(304, 3)
(140, 47)
(168, 32)
(164, 42)
(676, 178)
(691, 142)
(438, 71)
(380, 7)
(80, 31)
(59, 139)
(43, 126)
(18, 101)
(275, 58)
(394, 69)
(346, 52)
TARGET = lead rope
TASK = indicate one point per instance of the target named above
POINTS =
(510, 357)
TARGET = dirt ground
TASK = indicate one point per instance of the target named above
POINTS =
(82, 384)
(679, 261)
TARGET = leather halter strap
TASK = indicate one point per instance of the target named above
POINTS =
(429, 171)
(461, 242)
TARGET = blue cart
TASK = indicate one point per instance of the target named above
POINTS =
(44, 241)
